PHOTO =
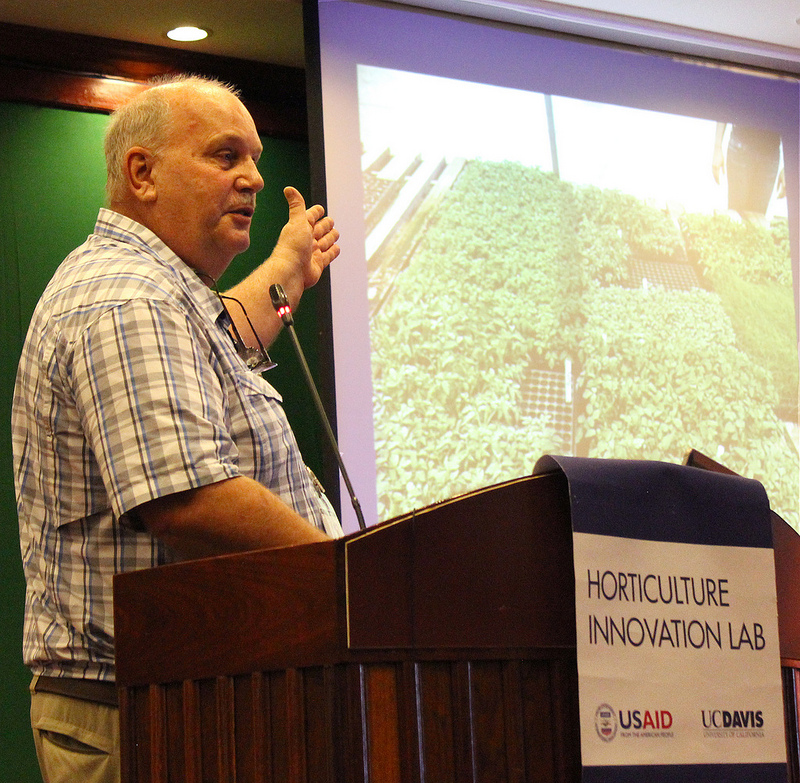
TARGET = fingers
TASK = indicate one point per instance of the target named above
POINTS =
(324, 260)
(323, 227)
(315, 214)
(329, 240)
(333, 253)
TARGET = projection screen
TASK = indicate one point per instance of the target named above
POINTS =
(551, 245)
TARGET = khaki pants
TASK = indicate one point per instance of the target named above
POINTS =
(76, 741)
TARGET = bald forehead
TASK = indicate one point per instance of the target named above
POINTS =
(192, 105)
(183, 91)
(203, 121)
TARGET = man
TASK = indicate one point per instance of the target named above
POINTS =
(140, 436)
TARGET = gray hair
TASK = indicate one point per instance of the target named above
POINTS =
(144, 121)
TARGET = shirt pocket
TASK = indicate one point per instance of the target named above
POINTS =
(259, 427)
(255, 384)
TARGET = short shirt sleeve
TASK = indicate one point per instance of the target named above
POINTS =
(151, 402)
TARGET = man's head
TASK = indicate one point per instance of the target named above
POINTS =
(181, 160)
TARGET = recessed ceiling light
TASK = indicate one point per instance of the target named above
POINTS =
(187, 34)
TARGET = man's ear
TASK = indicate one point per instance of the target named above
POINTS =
(139, 165)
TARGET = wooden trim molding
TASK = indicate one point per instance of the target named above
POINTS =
(74, 71)
(64, 90)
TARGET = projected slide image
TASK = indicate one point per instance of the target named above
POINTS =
(551, 275)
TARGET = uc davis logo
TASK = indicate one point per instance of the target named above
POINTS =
(605, 722)
(724, 724)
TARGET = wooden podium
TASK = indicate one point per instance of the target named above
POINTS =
(433, 648)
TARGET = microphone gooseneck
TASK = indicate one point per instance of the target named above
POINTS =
(280, 302)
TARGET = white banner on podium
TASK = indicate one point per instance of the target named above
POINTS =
(678, 653)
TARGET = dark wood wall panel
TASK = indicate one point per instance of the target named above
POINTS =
(96, 74)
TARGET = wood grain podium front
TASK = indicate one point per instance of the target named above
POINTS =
(433, 648)
(436, 647)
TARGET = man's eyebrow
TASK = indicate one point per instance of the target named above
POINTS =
(234, 139)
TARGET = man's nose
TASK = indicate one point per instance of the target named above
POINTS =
(250, 178)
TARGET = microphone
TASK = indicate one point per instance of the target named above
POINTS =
(284, 310)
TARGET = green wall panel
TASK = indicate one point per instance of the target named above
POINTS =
(52, 176)
(50, 186)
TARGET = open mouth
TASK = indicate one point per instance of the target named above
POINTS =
(244, 211)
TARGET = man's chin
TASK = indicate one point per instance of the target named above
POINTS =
(236, 242)
(220, 258)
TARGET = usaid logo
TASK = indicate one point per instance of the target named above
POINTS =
(605, 722)
(645, 719)
(639, 725)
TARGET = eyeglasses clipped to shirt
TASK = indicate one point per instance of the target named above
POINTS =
(256, 359)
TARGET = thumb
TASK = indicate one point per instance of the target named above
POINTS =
(295, 200)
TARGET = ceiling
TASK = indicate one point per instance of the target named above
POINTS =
(271, 30)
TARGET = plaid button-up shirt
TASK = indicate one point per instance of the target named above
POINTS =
(129, 388)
